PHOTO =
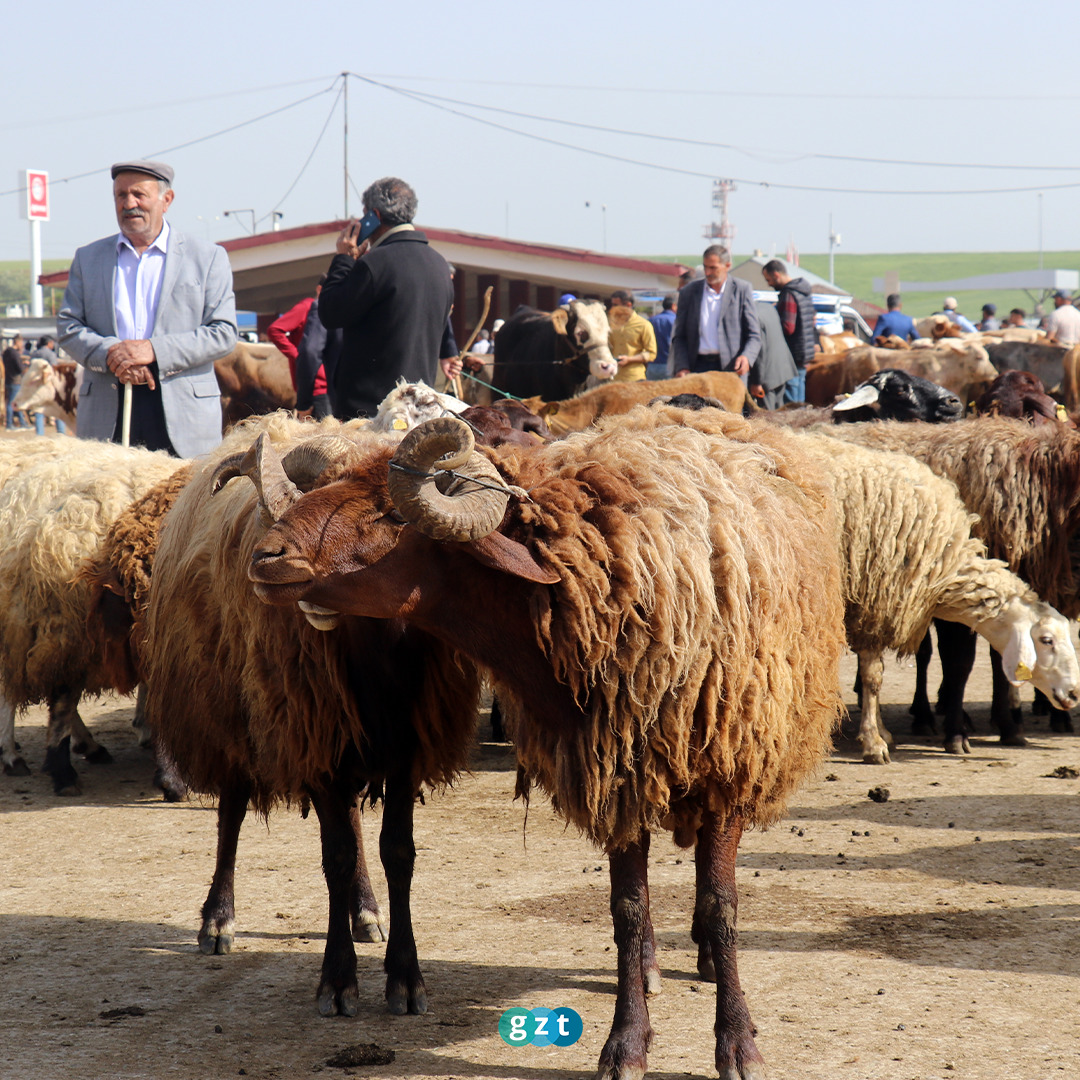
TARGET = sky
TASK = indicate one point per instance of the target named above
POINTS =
(601, 127)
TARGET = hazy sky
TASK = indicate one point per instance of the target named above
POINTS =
(788, 95)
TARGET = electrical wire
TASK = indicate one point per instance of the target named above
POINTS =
(776, 155)
(330, 116)
(421, 100)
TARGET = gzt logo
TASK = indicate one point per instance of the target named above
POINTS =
(540, 1027)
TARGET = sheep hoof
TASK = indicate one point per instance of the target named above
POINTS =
(958, 744)
(879, 756)
(69, 790)
(100, 756)
(400, 1000)
(368, 928)
(345, 1002)
(706, 969)
(751, 1070)
(1016, 739)
(18, 767)
(216, 942)
(651, 979)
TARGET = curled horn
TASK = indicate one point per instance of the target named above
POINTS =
(281, 481)
(459, 510)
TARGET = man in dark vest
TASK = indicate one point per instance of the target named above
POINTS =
(390, 292)
(796, 310)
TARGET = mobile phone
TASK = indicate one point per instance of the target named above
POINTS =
(368, 224)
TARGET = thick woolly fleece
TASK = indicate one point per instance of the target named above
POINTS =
(239, 688)
(1022, 482)
(698, 622)
(53, 514)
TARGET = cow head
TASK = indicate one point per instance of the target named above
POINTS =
(587, 327)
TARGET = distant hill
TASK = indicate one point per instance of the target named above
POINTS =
(855, 274)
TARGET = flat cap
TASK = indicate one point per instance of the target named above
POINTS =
(157, 169)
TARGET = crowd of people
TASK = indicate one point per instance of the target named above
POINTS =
(151, 308)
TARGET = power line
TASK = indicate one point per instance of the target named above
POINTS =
(749, 151)
(185, 145)
(422, 100)
(798, 95)
(303, 169)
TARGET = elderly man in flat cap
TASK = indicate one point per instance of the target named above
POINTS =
(153, 308)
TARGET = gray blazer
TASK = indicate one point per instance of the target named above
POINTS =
(739, 334)
(774, 366)
(194, 326)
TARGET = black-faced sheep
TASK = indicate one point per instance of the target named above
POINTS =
(52, 516)
(662, 616)
(274, 711)
(1024, 485)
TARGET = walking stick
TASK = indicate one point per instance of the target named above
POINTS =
(472, 337)
(125, 422)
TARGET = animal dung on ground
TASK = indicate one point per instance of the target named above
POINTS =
(361, 1054)
(1063, 772)
(878, 794)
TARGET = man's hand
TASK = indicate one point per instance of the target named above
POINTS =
(625, 359)
(303, 414)
(681, 372)
(742, 365)
(757, 391)
(346, 241)
(451, 366)
(130, 362)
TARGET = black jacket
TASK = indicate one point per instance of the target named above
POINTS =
(802, 341)
(392, 305)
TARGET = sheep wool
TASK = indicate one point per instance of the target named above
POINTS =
(53, 514)
(698, 623)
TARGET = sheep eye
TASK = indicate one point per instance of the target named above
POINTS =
(1046, 639)
(395, 517)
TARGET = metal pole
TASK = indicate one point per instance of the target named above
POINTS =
(603, 218)
(35, 269)
(832, 278)
(1040, 232)
(345, 77)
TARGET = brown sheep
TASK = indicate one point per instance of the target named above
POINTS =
(662, 618)
(274, 711)
(577, 413)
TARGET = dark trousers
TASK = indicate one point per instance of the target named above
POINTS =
(148, 427)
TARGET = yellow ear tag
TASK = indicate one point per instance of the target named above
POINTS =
(399, 424)
(1023, 673)
(1061, 413)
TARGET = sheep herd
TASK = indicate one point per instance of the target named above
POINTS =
(659, 601)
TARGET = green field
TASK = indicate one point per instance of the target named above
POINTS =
(15, 283)
(855, 274)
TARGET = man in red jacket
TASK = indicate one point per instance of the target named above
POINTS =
(287, 332)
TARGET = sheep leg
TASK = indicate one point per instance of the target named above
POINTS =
(923, 722)
(498, 732)
(138, 721)
(82, 741)
(9, 748)
(405, 990)
(63, 713)
(625, 1054)
(956, 647)
(218, 912)
(650, 969)
(715, 912)
(363, 907)
(875, 746)
(338, 991)
(1008, 721)
(167, 778)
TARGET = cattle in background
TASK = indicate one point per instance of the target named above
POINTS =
(53, 391)
(960, 367)
(254, 381)
(551, 354)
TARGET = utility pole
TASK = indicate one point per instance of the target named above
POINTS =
(1040, 232)
(723, 231)
(834, 242)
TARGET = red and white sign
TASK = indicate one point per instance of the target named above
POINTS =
(37, 195)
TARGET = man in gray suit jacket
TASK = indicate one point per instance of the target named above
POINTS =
(153, 308)
(716, 327)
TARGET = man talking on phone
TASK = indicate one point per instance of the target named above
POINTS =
(390, 293)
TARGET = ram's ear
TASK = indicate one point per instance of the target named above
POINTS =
(1018, 659)
(508, 556)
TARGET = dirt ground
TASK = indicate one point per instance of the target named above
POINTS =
(933, 935)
